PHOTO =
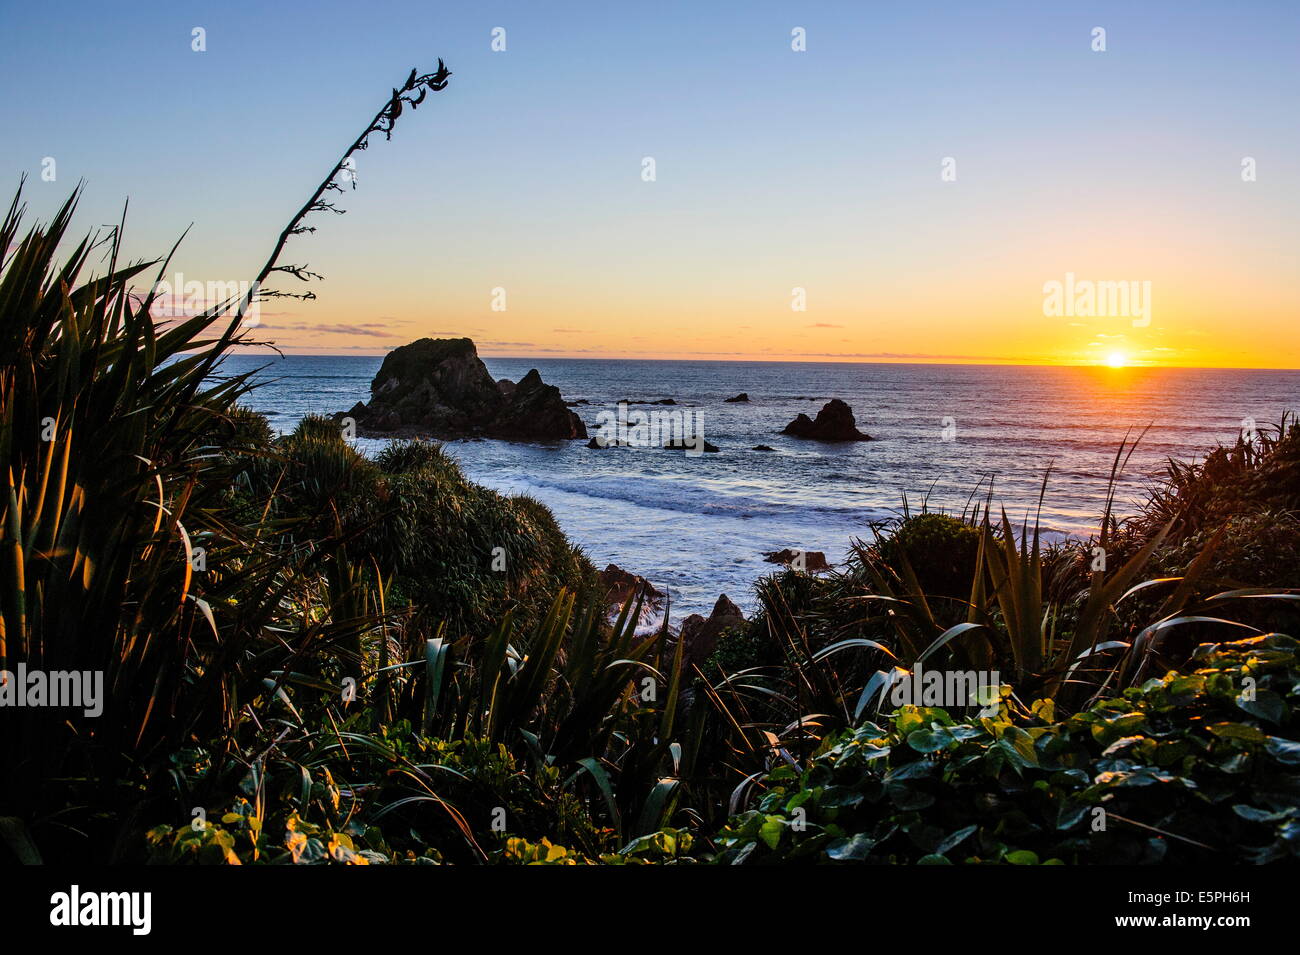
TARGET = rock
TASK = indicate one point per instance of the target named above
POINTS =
(535, 411)
(440, 388)
(743, 396)
(763, 447)
(725, 608)
(689, 444)
(700, 636)
(811, 560)
(834, 423)
(646, 401)
(580, 401)
(621, 584)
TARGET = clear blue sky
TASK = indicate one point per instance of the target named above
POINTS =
(775, 169)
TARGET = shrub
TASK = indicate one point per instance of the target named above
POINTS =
(1186, 768)
(941, 551)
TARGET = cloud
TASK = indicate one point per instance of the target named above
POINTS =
(366, 329)
(539, 349)
(895, 356)
(823, 325)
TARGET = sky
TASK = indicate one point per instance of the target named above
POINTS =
(907, 187)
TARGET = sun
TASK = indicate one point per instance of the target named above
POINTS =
(1117, 359)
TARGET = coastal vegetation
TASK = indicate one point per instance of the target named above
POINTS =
(310, 656)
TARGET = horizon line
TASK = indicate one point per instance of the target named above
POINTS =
(979, 363)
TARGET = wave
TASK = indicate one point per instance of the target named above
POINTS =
(640, 491)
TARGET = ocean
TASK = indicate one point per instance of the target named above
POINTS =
(697, 526)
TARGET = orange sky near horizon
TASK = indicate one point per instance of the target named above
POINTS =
(967, 280)
(929, 330)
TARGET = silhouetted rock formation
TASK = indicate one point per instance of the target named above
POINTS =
(621, 584)
(743, 396)
(834, 423)
(763, 447)
(439, 388)
(810, 560)
(700, 636)
(536, 411)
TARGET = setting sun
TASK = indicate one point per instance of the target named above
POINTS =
(1117, 359)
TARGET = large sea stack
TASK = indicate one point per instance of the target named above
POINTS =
(834, 423)
(438, 387)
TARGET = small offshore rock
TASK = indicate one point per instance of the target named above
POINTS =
(812, 560)
(834, 422)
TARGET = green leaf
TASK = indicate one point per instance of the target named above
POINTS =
(954, 840)
(1243, 731)
(770, 831)
(851, 850)
(1266, 705)
(929, 741)
(1285, 750)
(13, 831)
(598, 773)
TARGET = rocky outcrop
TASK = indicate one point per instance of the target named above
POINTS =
(763, 447)
(700, 636)
(809, 560)
(743, 396)
(620, 584)
(834, 423)
(440, 388)
(536, 411)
